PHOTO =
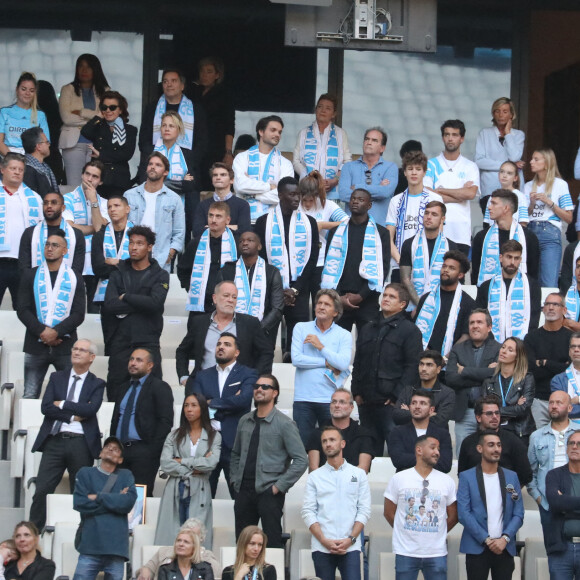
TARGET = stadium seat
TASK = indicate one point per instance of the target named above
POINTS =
(27, 414)
(143, 535)
(531, 526)
(535, 550)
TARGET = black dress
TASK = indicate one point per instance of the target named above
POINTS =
(40, 569)
(268, 573)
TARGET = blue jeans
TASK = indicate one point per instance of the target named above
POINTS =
(89, 566)
(306, 415)
(565, 565)
(348, 565)
(407, 568)
(183, 503)
(36, 367)
(550, 239)
(463, 428)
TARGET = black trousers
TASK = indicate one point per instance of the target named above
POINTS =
(223, 464)
(366, 311)
(478, 566)
(250, 507)
(143, 461)
(378, 419)
(292, 315)
(61, 452)
(9, 279)
(118, 366)
(91, 283)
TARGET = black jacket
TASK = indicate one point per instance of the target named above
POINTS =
(153, 413)
(386, 358)
(40, 569)
(402, 446)
(37, 181)
(143, 303)
(115, 157)
(67, 329)
(255, 349)
(567, 270)
(171, 571)
(239, 214)
(444, 401)
(519, 417)
(101, 269)
(564, 504)
(514, 455)
(470, 380)
(274, 301)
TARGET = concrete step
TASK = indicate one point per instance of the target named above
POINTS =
(9, 517)
(8, 486)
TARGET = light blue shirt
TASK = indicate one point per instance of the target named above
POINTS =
(169, 220)
(14, 121)
(310, 383)
(353, 173)
(133, 435)
(336, 499)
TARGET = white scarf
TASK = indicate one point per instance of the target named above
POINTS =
(177, 164)
(53, 304)
(39, 236)
(31, 211)
(425, 272)
(251, 299)
(510, 314)
(187, 116)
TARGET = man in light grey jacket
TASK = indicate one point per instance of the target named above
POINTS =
(268, 458)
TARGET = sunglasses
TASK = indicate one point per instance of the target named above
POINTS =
(262, 386)
(368, 177)
(108, 107)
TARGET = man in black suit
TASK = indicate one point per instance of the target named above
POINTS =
(402, 438)
(200, 341)
(69, 437)
(38, 175)
(251, 272)
(142, 418)
(229, 389)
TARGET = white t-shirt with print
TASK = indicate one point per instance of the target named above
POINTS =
(560, 195)
(420, 529)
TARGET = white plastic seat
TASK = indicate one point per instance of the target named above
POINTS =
(59, 508)
(382, 470)
(64, 532)
(285, 374)
(143, 535)
(542, 569)
(223, 512)
(534, 551)
(152, 506)
(147, 553)
(305, 564)
(378, 542)
(222, 537)
(292, 518)
(299, 540)
(531, 526)
(70, 558)
(28, 414)
(105, 416)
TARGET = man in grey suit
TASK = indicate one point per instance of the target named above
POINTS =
(470, 363)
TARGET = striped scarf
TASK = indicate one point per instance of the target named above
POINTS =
(177, 164)
(39, 236)
(510, 314)
(185, 112)
(425, 274)
(31, 210)
(270, 174)
(573, 387)
(119, 133)
(328, 160)
(402, 213)
(53, 304)
(251, 299)
(573, 303)
(44, 169)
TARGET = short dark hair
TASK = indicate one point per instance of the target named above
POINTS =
(381, 131)
(328, 97)
(362, 190)
(485, 400)
(415, 158)
(453, 124)
(459, 257)
(410, 145)
(55, 193)
(31, 138)
(175, 70)
(401, 291)
(12, 156)
(95, 163)
(426, 394)
(508, 197)
(511, 246)
(123, 105)
(331, 428)
(144, 231)
(60, 233)
(483, 311)
(483, 434)
(438, 204)
(434, 355)
(118, 196)
(220, 206)
(573, 335)
(285, 182)
(422, 438)
(150, 356)
(220, 165)
(160, 155)
(231, 335)
(265, 121)
(275, 384)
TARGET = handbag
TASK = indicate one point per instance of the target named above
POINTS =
(106, 489)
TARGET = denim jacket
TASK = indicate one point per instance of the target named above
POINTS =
(169, 220)
(541, 453)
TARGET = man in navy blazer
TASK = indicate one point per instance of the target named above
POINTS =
(491, 509)
(228, 387)
(69, 437)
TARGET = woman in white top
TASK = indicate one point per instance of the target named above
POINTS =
(498, 144)
(327, 213)
(549, 204)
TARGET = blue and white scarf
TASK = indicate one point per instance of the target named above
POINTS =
(327, 160)
(251, 299)
(292, 263)
(201, 264)
(110, 251)
(371, 266)
(425, 273)
(428, 316)
(576, 256)
(31, 211)
(573, 387)
(402, 213)
(177, 165)
(39, 236)
(53, 304)
(510, 314)
(490, 265)
(185, 112)
(270, 174)
(119, 132)
(573, 303)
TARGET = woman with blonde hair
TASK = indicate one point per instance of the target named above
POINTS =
(250, 561)
(30, 565)
(515, 388)
(549, 204)
(22, 115)
(498, 144)
(186, 563)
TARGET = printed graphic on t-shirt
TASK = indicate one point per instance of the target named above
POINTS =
(423, 511)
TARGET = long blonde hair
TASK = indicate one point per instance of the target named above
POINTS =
(196, 556)
(28, 76)
(521, 364)
(243, 541)
(551, 171)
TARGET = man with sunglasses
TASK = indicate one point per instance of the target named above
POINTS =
(547, 450)
(267, 459)
(419, 542)
(371, 172)
(513, 453)
(38, 175)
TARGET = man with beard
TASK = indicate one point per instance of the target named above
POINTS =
(228, 388)
(32, 242)
(421, 546)
(568, 380)
(336, 534)
(512, 299)
(491, 509)
(442, 315)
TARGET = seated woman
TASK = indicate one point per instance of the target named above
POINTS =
(189, 455)
(30, 565)
(186, 563)
(113, 142)
(250, 557)
(164, 555)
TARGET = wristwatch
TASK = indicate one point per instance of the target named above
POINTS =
(506, 538)
(295, 291)
(95, 204)
(352, 539)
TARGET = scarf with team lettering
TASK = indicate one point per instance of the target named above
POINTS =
(573, 303)
(269, 175)
(573, 387)
(53, 304)
(39, 236)
(31, 212)
(177, 164)
(402, 213)
(327, 160)
(251, 299)
(425, 274)
(510, 314)
(185, 112)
